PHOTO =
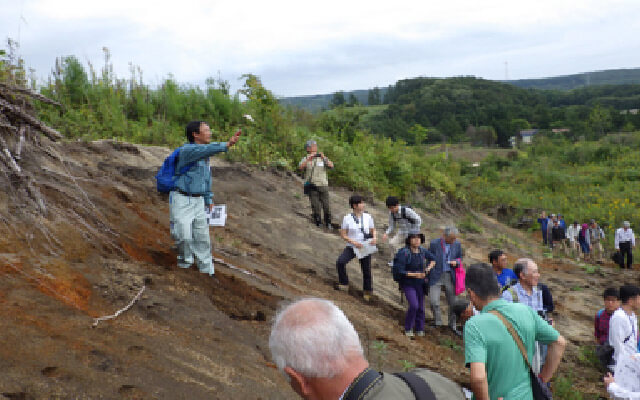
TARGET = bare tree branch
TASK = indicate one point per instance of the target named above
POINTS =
(31, 93)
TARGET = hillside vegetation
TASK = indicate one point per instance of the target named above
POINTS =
(583, 179)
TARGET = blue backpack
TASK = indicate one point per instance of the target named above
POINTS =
(166, 176)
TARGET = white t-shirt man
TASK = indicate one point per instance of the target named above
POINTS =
(623, 333)
(357, 226)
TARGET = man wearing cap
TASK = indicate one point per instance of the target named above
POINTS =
(625, 241)
(544, 222)
(316, 184)
(412, 263)
(596, 234)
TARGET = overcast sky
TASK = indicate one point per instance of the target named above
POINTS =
(311, 47)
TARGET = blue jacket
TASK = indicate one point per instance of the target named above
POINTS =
(197, 180)
(436, 248)
(544, 222)
(402, 265)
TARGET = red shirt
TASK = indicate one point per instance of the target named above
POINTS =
(602, 326)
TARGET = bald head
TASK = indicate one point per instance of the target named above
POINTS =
(315, 338)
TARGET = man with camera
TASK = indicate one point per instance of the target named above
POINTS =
(316, 185)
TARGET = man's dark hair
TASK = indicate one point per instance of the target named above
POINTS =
(627, 292)
(494, 255)
(518, 268)
(192, 127)
(482, 280)
(459, 305)
(355, 199)
(392, 201)
(611, 292)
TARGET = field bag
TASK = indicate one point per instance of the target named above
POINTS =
(166, 176)
(461, 275)
(540, 390)
(617, 257)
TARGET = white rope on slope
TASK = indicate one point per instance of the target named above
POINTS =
(96, 321)
(223, 262)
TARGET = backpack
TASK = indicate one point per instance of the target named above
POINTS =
(166, 176)
(403, 215)
(419, 387)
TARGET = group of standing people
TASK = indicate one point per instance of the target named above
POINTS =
(316, 346)
(586, 239)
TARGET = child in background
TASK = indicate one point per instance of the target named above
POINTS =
(611, 304)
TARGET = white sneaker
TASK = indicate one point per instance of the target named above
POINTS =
(420, 333)
(409, 334)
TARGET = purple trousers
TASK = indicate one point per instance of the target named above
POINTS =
(415, 314)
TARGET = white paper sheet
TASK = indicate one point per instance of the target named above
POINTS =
(627, 372)
(217, 216)
(366, 249)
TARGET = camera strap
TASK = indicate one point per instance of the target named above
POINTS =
(361, 223)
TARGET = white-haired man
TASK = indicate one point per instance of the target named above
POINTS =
(313, 343)
(447, 251)
(624, 242)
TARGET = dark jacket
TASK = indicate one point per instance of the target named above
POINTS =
(436, 247)
(402, 264)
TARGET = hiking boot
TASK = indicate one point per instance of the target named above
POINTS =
(420, 333)
(409, 333)
(343, 288)
(366, 296)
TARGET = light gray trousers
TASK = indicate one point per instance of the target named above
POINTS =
(445, 281)
(190, 230)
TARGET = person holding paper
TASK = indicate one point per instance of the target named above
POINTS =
(189, 227)
(359, 232)
(626, 384)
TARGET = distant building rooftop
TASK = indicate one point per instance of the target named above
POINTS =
(528, 132)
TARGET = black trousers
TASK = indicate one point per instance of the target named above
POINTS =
(365, 265)
(625, 249)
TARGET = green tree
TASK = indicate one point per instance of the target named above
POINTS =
(599, 120)
(337, 100)
(418, 134)
(353, 100)
(373, 97)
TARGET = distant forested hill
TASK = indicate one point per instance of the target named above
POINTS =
(318, 102)
(568, 82)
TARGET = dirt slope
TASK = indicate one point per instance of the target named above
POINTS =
(105, 235)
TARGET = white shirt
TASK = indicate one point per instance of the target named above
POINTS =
(618, 392)
(354, 228)
(624, 236)
(621, 327)
(572, 232)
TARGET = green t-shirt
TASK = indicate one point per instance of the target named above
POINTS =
(487, 340)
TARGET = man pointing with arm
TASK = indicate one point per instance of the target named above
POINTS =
(189, 227)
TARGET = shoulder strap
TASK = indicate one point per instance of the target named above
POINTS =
(514, 335)
(313, 165)
(514, 294)
(362, 384)
(420, 388)
(600, 312)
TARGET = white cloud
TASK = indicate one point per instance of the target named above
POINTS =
(335, 44)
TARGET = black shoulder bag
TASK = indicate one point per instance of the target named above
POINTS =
(308, 186)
